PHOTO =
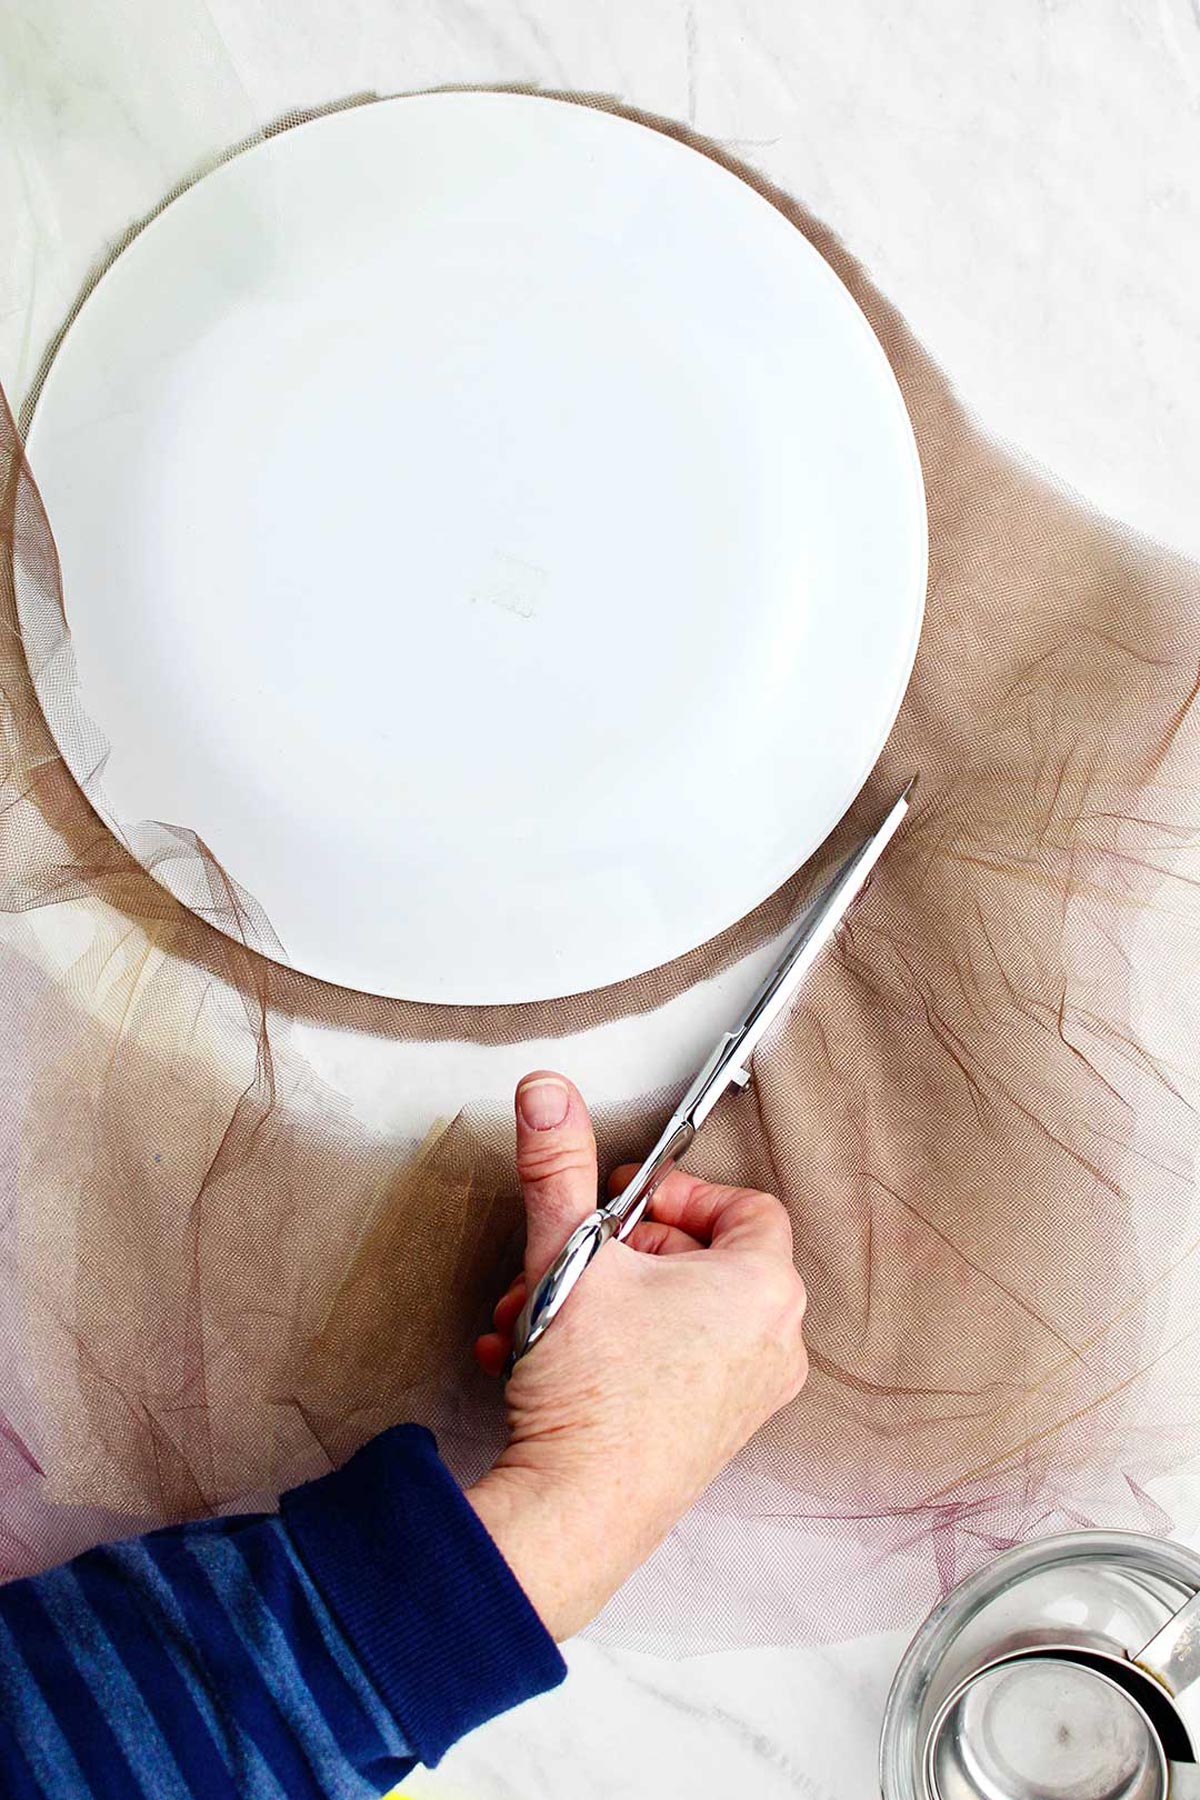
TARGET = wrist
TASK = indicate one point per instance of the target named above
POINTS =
(554, 1537)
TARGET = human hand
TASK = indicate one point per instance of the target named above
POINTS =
(671, 1352)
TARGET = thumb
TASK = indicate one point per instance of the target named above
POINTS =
(556, 1163)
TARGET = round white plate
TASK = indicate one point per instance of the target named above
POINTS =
(493, 529)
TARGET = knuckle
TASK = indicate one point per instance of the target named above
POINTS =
(754, 1200)
(649, 1236)
(798, 1373)
(791, 1362)
(779, 1289)
(539, 1162)
(774, 1208)
(763, 1209)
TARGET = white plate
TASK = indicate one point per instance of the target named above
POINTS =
(494, 529)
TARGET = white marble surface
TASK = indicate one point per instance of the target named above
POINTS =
(1019, 178)
(764, 1724)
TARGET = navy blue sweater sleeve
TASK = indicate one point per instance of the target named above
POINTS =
(318, 1653)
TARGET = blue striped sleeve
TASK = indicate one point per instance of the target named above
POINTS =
(311, 1655)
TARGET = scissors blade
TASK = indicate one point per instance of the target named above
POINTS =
(821, 919)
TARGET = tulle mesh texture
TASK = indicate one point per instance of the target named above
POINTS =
(981, 1117)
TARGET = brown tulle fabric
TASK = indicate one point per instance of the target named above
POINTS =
(981, 1118)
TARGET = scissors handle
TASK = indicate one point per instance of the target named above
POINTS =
(615, 1219)
(547, 1299)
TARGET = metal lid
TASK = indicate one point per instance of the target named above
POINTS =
(1103, 1594)
(1044, 1729)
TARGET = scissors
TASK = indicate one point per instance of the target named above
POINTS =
(727, 1067)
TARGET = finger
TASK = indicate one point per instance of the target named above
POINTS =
(668, 1196)
(556, 1163)
(505, 1312)
(723, 1215)
(674, 1179)
(703, 1210)
(491, 1352)
(653, 1238)
(667, 1242)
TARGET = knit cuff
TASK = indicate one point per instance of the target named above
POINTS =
(421, 1593)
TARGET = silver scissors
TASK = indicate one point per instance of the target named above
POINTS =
(727, 1067)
